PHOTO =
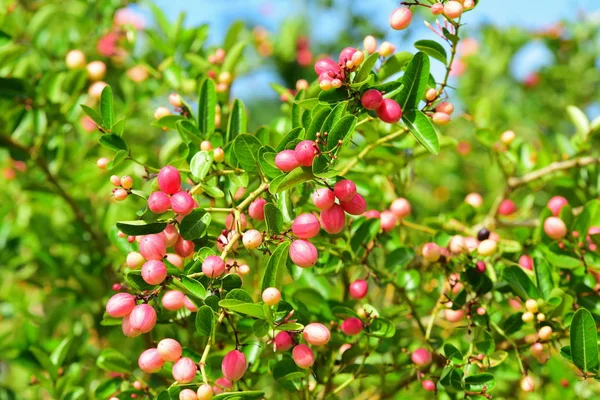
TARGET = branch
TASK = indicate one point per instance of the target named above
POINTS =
(371, 147)
(514, 183)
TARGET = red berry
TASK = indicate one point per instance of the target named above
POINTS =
(556, 204)
(283, 341)
(154, 272)
(213, 266)
(371, 99)
(303, 356)
(173, 300)
(507, 207)
(421, 356)
(305, 153)
(358, 289)
(303, 253)
(428, 384)
(169, 180)
(333, 219)
(152, 247)
(286, 160)
(169, 235)
(389, 111)
(323, 198)
(356, 206)
(184, 248)
(234, 365)
(120, 305)
(400, 208)
(150, 361)
(256, 210)
(142, 318)
(169, 350)
(388, 221)
(184, 370)
(352, 326)
(306, 226)
(326, 65)
(345, 190)
(555, 228)
(159, 202)
(182, 203)
(400, 18)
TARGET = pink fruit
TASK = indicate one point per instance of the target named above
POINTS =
(120, 194)
(555, 228)
(400, 208)
(346, 55)
(283, 341)
(184, 370)
(213, 266)
(127, 330)
(303, 253)
(445, 107)
(159, 202)
(152, 247)
(421, 356)
(127, 182)
(370, 44)
(102, 162)
(453, 9)
(154, 272)
(175, 259)
(507, 207)
(169, 350)
(437, 8)
(184, 248)
(480, 266)
(440, 118)
(344, 190)
(326, 65)
(205, 392)
(252, 239)
(388, 220)
(323, 198)
(352, 326)
(453, 315)
(389, 111)
(173, 300)
(256, 210)
(333, 219)
(305, 152)
(175, 100)
(306, 226)
(231, 224)
(120, 305)
(358, 289)
(134, 260)
(169, 235)
(371, 214)
(182, 203)
(142, 318)
(303, 356)
(527, 384)
(316, 334)
(169, 180)
(234, 365)
(431, 94)
(189, 305)
(271, 296)
(556, 203)
(400, 18)
(187, 394)
(457, 244)
(427, 384)
(431, 252)
(286, 160)
(371, 99)
(474, 200)
(150, 361)
(356, 206)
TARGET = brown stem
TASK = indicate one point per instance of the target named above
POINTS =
(516, 182)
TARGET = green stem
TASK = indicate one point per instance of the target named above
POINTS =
(371, 147)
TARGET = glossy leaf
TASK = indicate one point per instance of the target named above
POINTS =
(141, 227)
(275, 266)
(584, 341)
(422, 129)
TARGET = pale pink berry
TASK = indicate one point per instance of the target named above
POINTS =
(161, 112)
(244, 269)
(286, 160)
(453, 9)
(303, 253)
(468, 4)
(507, 207)
(333, 219)
(372, 214)
(175, 100)
(223, 383)
(427, 384)
(303, 356)
(421, 356)
(356, 206)
(154, 272)
(169, 235)
(358, 289)
(326, 65)
(527, 384)
(271, 296)
(389, 111)
(431, 94)
(120, 194)
(316, 334)
(173, 300)
(305, 152)
(370, 44)
(126, 182)
(230, 223)
(234, 365)
(556, 204)
(306, 226)
(388, 220)
(184, 370)
(437, 8)
(346, 55)
(283, 341)
(441, 118)
(386, 49)
(126, 328)
(400, 18)
(184, 248)
(352, 326)
(142, 318)
(323, 198)
(472, 243)
(205, 392)
(555, 228)
(189, 305)
(138, 385)
(371, 99)
(187, 394)
(213, 266)
(169, 180)
(159, 202)
(453, 315)
(445, 107)
(102, 162)
(182, 203)
(252, 239)
(431, 252)
(175, 259)
(474, 200)
(457, 244)
(256, 210)
(481, 311)
(150, 361)
(152, 247)
(120, 305)
(169, 349)
(206, 145)
(95, 89)
(134, 260)
(400, 208)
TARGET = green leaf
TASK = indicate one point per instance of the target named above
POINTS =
(237, 121)
(106, 107)
(480, 382)
(365, 69)
(364, 235)
(275, 265)
(452, 353)
(201, 163)
(580, 120)
(140, 227)
(188, 131)
(334, 116)
(205, 321)
(45, 361)
(290, 326)
(381, 327)
(394, 64)
(245, 395)
(485, 344)
(273, 219)
(344, 312)
(584, 341)
(207, 104)
(93, 114)
(296, 133)
(119, 157)
(195, 224)
(432, 49)
(266, 160)
(61, 351)
(212, 191)
(341, 131)
(112, 360)
(288, 374)
(543, 277)
(422, 129)
(113, 142)
(169, 121)
(241, 307)
(520, 283)
(233, 57)
(415, 82)
(291, 179)
(191, 286)
(317, 123)
(246, 148)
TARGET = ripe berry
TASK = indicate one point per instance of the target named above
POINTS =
(400, 18)
(184, 370)
(421, 356)
(213, 266)
(344, 190)
(127, 329)
(371, 99)
(286, 160)
(169, 350)
(169, 180)
(437, 8)
(120, 305)
(150, 361)
(556, 204)
(182, 203)
(400, 208)
(142, 318)
(159, 202)
(154, 272)
(333, 219)
(316, 334)
(352, 326)
(306, 226)
(370, 44)
(120, 194)
(152, 247)
(453, 9)
(507, 207)
(487, 247)
(389, 111)
(483, 234)
(323, 198)
(134, 260)
(256, 210)
(526, 262)
(305, 152)
(358, 289)
(445, 107)
(271, 296)
(252, 239)
(283, 341)
(440, 118)
(480, 266)
(184, 248)
(555, 228)
(453, 315)
(234, 365)
(427, 384)
(303, 356)
(169, 235)
(356, 206)
(303, 253)
(480, 311)
(371, 214)
(161, 112)
(326, 65)
(388, 220)
(189, 305)
(230, 223)
(431, 252)
(346, 55)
